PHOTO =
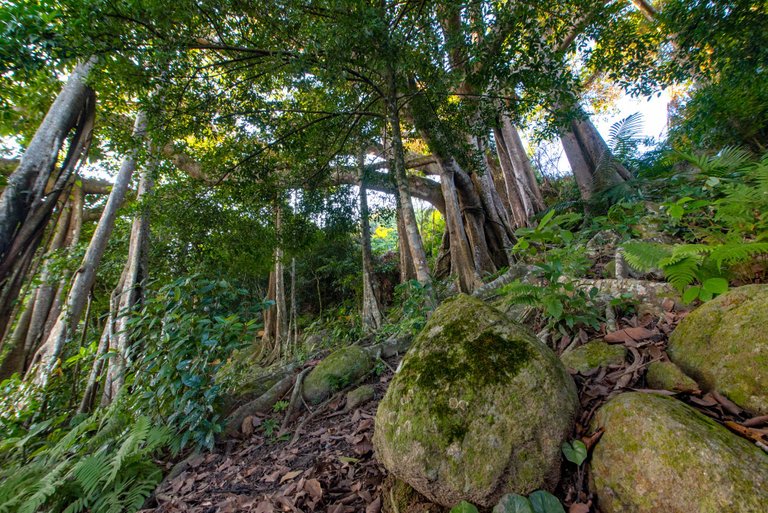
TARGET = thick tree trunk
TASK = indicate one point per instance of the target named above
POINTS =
(276, 318)
(462, 261)
(47, 356)
(371, 313)
(579, 165)
(606, 168)
(517, 206)
(27, 184)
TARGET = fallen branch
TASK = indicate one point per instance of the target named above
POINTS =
(262, 404)
(296, 400)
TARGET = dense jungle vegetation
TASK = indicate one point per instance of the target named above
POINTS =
(202, 200)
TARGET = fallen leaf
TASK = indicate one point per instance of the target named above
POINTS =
(290, 475)
(374, 507)
(313, 487)
(628, 335)
(579, 507)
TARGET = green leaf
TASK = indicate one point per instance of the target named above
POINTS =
(676, 211)
(575, 452)
(545, 502)
(513, 503)
(691, 294)
(554, 307)
(464, 507)
(715, 285)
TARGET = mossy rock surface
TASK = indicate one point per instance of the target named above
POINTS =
(593, 355)
(668, 376)
(479, 408)
(339, 369)
(359, 396)
(723, 345)
(658, 454)
(400, 497)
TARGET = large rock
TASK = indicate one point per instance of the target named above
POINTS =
(723, 344)
(478, 409)
(339, 369)
(658, 454)
(594, 355)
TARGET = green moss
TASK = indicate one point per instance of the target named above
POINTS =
(474, 389)
(337, 370)
(593, 355)
(668, 376)
(724, 345)
(656, 450)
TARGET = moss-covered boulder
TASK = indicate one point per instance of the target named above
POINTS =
(339, 369)
(723, 345)
(594, 355)
(479, 408)
(658, 454)
(668, 376)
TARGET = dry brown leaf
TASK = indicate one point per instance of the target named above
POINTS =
(374, 507)
(628, 335)
(290, 475)
(313, 487)
(579, 507)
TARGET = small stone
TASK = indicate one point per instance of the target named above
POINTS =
(657, 454)
(594, 355)
(359, 397)
(668, 376)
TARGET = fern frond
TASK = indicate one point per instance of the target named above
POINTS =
(90, 471)
(735, 253)
(136, 436)
(682, 273)
(645, 256)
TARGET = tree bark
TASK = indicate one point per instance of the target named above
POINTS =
(48, 354)
(27, 184)
(130, 290)
(415, 243)
(371, 314)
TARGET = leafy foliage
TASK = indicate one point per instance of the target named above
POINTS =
(104, 464)
(186, 330)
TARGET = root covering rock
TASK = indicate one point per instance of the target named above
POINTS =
(723, 344)
(478, 409)
(657, 454)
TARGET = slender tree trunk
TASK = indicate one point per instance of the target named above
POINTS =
(371, 314)
(293, 316)
(407, 269)
(415, 243)
(92, 384)
(526, 178)
(48, 354)
(130, 291)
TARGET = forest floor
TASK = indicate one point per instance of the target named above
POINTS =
(331, 466)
